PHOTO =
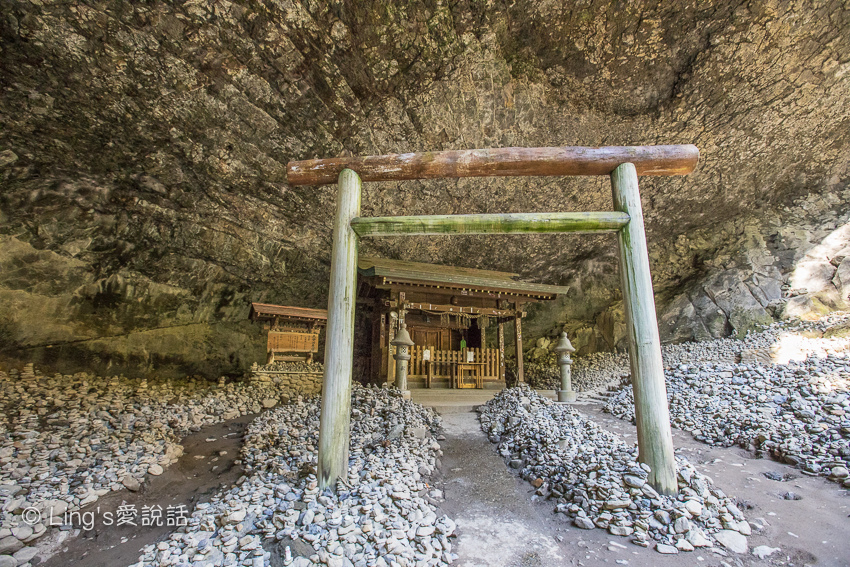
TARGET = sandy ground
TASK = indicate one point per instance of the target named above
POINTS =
(197, 475)
(499, 523)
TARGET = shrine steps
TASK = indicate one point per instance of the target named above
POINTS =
(445, 400)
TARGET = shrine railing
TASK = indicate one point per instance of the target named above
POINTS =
(443, 361)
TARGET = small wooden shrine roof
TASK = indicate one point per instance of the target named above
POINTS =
(263, 311)
(435, 276)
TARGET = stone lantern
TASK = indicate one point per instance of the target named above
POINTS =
(402, 343)
(564, 348)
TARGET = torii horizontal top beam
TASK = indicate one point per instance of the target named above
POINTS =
(498, 162)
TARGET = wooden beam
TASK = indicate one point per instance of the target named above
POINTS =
(458, 289)
(512, 223)
(382, 346)
(501, 351)
(520, 374)
(498, 162)
(652, 416)
(335, 419)
(458, 309)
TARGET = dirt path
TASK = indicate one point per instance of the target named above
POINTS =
(499, 523)
(198, 474)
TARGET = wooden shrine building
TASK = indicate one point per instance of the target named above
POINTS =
(455, 317)
(293, 331)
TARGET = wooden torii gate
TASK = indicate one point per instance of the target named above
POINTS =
(622, 163)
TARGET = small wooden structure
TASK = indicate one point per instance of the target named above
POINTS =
(622, 163)
(448, 312)
(293, 331)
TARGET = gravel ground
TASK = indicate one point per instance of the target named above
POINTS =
(789, 340)
(595, 479)
(798, 412)
(66, 441)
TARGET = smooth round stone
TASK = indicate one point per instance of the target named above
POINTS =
(633, 481)
(839, 472)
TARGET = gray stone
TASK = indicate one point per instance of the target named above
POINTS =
(583, 522)
(396, 431)
(763, 551)
(732, 540)
(839, 473)
(25, 555)
(131, 483)
(696, 538)
(9, 545)
(633, 481)
(622, 531)
(22, 532)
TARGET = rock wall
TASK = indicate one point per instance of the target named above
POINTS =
(143, 152)
(749, 272)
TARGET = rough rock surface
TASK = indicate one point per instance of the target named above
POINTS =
(143, 147)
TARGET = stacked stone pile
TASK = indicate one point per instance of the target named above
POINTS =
(65, 441)
(599, 369)
(377, 518)
(595, 479)
(301, 377)
(296, 366)
(798, 413)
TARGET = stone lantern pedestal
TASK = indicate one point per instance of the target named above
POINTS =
(564, 348)
(402, 342)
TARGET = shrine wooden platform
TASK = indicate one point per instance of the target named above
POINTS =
(458, 401)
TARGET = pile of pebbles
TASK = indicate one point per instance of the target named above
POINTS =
(66, 441)
(300, 377)
(596, 371)
(378, 517)
(798, 413)
(281, 366)
(597, 481)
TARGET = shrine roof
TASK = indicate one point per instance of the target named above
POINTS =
(438, 276)
(267, 311)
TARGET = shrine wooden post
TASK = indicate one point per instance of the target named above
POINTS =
(501, 350)
(622, 163)
(335, 419)
(652, 416)
(520, 374)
